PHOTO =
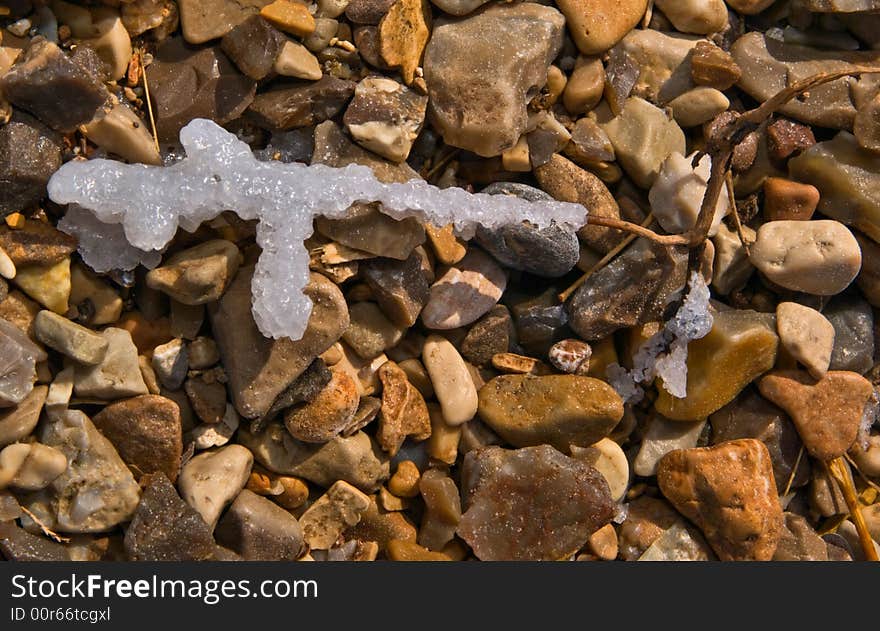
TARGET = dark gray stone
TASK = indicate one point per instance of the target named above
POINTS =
(853, 323)
(29, 154)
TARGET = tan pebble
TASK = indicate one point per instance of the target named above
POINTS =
(12, 458)
(713, 66)
(442, 509)
(807, 335)
(444, 439)
(827, 413)
(867, 456)
(290, 17)
(585, 86)
(465, 292)
(512, 363)
(60, 392)
(418, 376)
(448, 248)
(516, 158)
(211, 481)
(42, 465)
(749, 7)
(403, 34)
(410, 551)
(405, 481)
(788, 200)
(390, 502)
(597, 25)
(47, 284)
(149, 375)
(695, 16)
(295, 60)
(661, 437)
(698, 106)
(556, 82)
(451, 379)
(339, 508)
(7, 267)
(403, 412)
(603, 543)
(608, 458)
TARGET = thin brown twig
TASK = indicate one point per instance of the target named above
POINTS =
(731, 199)
(797, 463)
(44, 528)
(838, 469)
(442, 161)
(636, 229)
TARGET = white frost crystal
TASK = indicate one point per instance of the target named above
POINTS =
(665, 354)
(220, 173)
(103, 246)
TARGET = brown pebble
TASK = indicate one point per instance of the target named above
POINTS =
(403, 412)
(603, 543)
(786, 199)
(714, 67)
(786, 138)
(405, 481)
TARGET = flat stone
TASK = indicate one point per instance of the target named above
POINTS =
(827, 413)
(36, 242)
(337, 510)
(807, 335)
(210, 481)
(788, 200)
(260, 369)
(848, 178)
(786, 138)
(260, 530)
(146, 431)
(634, 288)
(752, 416)
(96, 492)
(567, 182)
(476, 108)
(367, 229)
(729, 492)
(740, 347)
(293, 105)
(647, 520)
(488, 336)
(188, 83)
(29, 154)
(17, 423)
(385, 117)
(402, 36)
(20, 357)
(695, 16)
(197, 275)
(370, 333)
(295, 60)
(17, 544)
(325, 416)
(731, 268)
(560, 410)
(165, 528)
(253, 46)
(572, 497)
(853, 322)
(47, 284)
(451, 380)
(799, 542)
(465, 292)
(866, 126)
(597, 25)
(714, 67)
(442, 509)
(662, 437)
(54, 88)
(399, 287)
(202, 21)
(817, 257)
(769, 65)
(118, 375)
(403, 411)
(71, 339)
(290, 17)
(662, 62)
(643, 137)
(357, 459)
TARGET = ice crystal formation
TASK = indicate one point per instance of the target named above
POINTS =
(221, 173)
(665, 353)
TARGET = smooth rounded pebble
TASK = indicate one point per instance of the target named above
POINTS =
(807, 335)
(466, 291)
(451, 379)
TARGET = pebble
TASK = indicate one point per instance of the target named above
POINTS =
(215, 434)
(325, 416)
(409, 551)
(570, 356)
(111, 41)
(382, 527)
(54, 88)
(607, 457)
(866, 126)
(799, 542)
(403, 411)
(171, 363)
(30, 466)
(766, 63)
(215, 89)
(662, 437)
(118, 375)
(451, 380)
(697, 106)
(444, 441)
(290, 17)
(677, 194)
(867, 455)
(69, 338)
(643, 137)
(480, 112)
(695, 16)
(369, 332)
(399, 287)
(210, 481)
(197, 275)
(465, 292)
(817, 257)
(260, 369)
(260, 530)
(338, 509)
(146, 431)
(47, 284)
(165, 528)
(253, 46)
(96, 491)
(729, 492)
(827, 413)
(807, 335)
(442, 510)
(203, 353)
(573, 496)
(357, 459)
(585, 85)
(847, 178)
(488, 336)
(853, 322)
(786, 138)
(17, 422)
(549, 252)
(560, 410)
(567, 182)
(785, 200)
(208, 399)
(159, 16)
(385, 117)
(597, 25)
(295, 60)
(16, 544)
(405, 481)
(660, 61)
(632, 289)
(403, 34)
(713, 66)
(203, 21)
(649, 519)
(740, 347)
(30, 153)
(731, 267)
(749, 7)
(296, 104)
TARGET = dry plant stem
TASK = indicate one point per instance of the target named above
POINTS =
(147, 98)
(637, 230)
(617, 249)
(731, 199)
(797, 463)
(46, 530)
(838, 469)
